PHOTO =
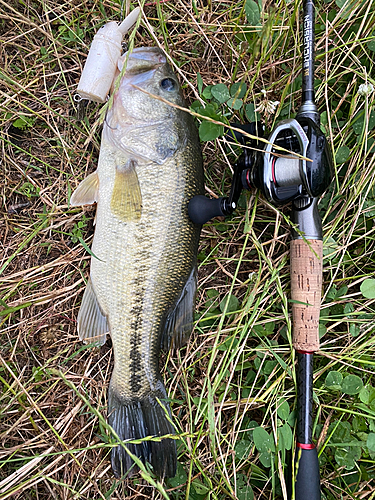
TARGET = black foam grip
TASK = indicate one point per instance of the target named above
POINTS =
(202, 209)
(307, 485)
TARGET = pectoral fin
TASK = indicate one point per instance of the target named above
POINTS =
(86, 192)
(92, 323)
(180, 320)
(126, 201)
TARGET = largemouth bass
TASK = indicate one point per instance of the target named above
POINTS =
(143, 276)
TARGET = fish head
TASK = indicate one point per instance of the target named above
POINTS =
(143, 121)
(148, 77)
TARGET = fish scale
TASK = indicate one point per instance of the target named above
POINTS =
(142, 280)
(136, 262)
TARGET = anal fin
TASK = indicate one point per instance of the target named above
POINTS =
(92, 323)
(179, 323)
(126, 201)
(86, 192)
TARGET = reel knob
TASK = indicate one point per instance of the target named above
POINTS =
(202, 209)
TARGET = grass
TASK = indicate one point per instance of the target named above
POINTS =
(233, 386)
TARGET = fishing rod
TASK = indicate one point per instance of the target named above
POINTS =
(300, 179)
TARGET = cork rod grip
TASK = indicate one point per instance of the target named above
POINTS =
(306, 289)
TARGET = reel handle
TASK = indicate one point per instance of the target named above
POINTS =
(202, 209)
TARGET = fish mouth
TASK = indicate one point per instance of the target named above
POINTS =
(142, 59)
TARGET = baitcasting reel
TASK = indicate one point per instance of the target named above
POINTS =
(301, 174)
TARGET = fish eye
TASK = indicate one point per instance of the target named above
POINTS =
(168, 84)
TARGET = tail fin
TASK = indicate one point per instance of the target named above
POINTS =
(136, 419)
